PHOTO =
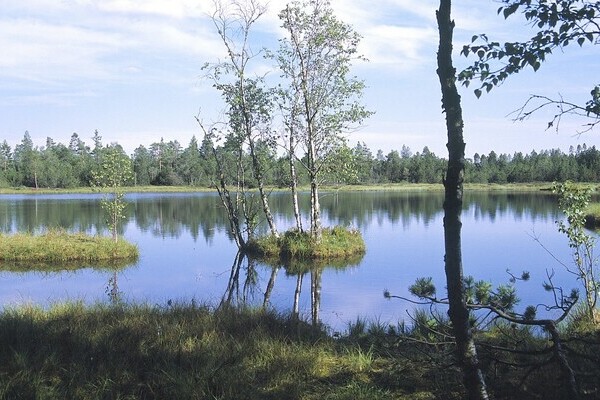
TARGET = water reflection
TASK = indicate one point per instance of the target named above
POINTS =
(243, 284)
(112, 289)
(44, 267)
(187, 254)
(201, 214)
(234, 293)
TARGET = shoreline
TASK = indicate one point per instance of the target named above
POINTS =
(536, 186)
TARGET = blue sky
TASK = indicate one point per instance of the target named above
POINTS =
(132, 70)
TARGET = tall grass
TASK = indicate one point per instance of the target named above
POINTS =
(190, 351)
(177, 352)
(59, 246)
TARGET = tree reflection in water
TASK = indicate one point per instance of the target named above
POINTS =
(237, 294)
(112, 289)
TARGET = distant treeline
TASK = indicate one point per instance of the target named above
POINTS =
(56, 165)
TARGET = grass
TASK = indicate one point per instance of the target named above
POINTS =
(592, 217)
(190, 351)
(58, 246)
(337, 243)
(181, 351)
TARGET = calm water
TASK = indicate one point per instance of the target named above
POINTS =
(186, 252)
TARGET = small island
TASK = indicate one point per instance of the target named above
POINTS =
(335, 243)
(59, 246)
(592, 216)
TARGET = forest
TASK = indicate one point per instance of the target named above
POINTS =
(57, 165)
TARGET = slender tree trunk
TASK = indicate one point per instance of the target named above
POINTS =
(315, 294)
(315, 206)
(224, 195)
(315, 226)
(270, 286)
(261, 188)
(453, 184)
(294, 183)
(296, 308)
(227, 202)
(241, 197)
(256, 166)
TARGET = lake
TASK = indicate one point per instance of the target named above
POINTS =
(187, 254)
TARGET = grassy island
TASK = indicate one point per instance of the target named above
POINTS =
(336, 243)
(592, 216)
(60, 246)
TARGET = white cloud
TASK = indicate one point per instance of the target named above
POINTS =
(172, 8)
(96, 41)
(36, 50)
(396, 33)
(116, 61)
(403, 47)
(60, 99)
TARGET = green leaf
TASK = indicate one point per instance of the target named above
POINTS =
(590, 37)
(477, 92)
(508, 11)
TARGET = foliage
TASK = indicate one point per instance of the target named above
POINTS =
(560, 24)
(315, 59)
(495, 307)
(114, 172)
(573, 201)
(194, 166)
(248, 118)
(423, 288)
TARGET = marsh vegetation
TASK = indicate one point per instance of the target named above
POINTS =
(59, 246)
(198, 352)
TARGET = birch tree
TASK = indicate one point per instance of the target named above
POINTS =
(248, 102)
(114, 172)
(315, 59)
